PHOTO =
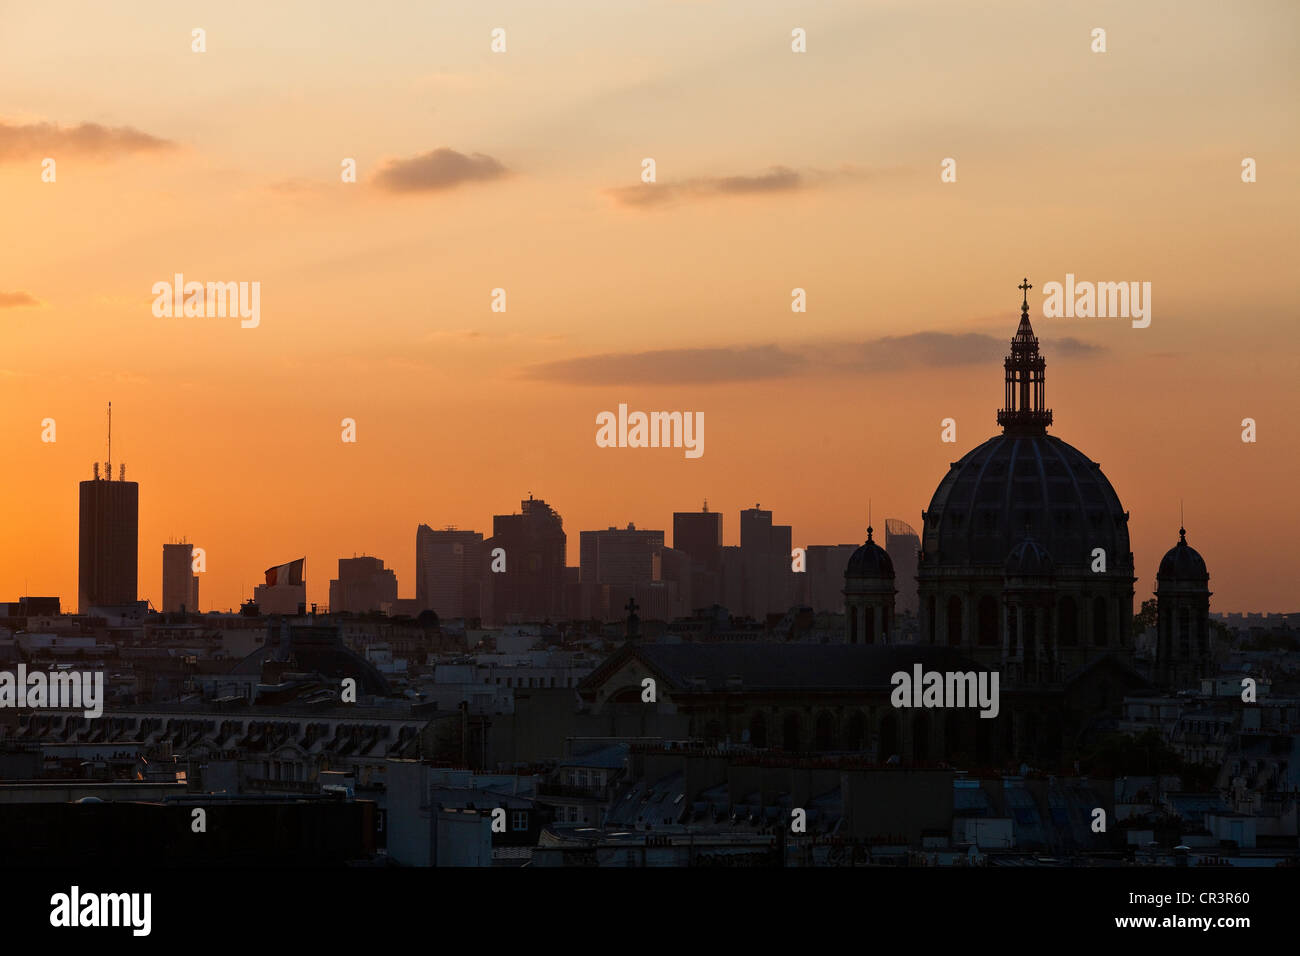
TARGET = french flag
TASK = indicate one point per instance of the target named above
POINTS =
(290, 573)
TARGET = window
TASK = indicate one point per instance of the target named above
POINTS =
(1067, 622)
(519, 820)
(1099, 627)
(988, 613)
(954, 621)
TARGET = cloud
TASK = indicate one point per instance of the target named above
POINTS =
(1072, 346)
(18, 300)
(776, 179)
(671, 367)
(440, 169)
(710, 366)
(90, 140)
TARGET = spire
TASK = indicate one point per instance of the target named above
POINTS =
(1024, 409)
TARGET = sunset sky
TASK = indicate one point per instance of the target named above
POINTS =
(775, 170)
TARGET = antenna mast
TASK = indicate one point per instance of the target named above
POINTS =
(110, 441)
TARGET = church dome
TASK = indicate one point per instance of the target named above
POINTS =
(1182, 562)
(1017, 483)
(870, 561)
(1024, 482)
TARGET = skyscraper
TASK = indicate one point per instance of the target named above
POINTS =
(823, 577)
(904, 545)
(765, 549)
(531, 588)
(109, 526)
(616, 565)
(180, 586)
(698, 534)
(449, 569)
(363, 584)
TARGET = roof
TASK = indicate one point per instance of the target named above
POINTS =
(608, 758)
(712, 667)
(1182, 562)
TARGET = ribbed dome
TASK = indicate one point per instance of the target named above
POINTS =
(870, 561)
(1028, 559)
(1016, 484)
(1182, 562)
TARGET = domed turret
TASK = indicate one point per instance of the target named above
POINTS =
(1183, 651)
(1182, 562)
(870, 561)
(868, 594)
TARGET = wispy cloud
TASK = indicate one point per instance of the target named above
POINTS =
(776, 179)
(437, 170)
(20, 142)
(18, 300)
(709, 366)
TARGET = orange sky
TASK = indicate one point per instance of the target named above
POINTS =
(775, 170)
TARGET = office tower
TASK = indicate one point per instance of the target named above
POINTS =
(823, 577)
(903, 545)
(363, 584)
(449, 569)
(180, 586)
(768, 577)
(109, 525)
(532, 545)
(698, 535)
(614, 564)
(731, 582)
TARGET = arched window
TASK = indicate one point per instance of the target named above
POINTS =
(857, 735)
(930, 613)
(888, 737)
(824, 732)
(869, 619)
(1067, 622)
(921, 737)
(988, 613)
(1100, 626)
(790, 733)
(853, 625)
(1184, 632)
(954, 733)
(1031, 633)
(954, 621)
(758, 730)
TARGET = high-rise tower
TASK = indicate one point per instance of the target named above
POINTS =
(109, 526)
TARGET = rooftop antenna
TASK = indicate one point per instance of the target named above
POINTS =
(110, 441)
